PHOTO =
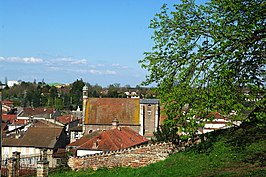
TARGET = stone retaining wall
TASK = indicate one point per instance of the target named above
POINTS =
(131, 157)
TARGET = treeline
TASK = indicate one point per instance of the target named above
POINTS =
(65, 97)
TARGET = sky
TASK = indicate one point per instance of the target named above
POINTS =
(61, 41)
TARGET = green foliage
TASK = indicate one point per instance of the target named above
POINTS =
(166, 133)
(76, 93)
(210, 57)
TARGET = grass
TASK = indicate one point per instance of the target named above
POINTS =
(237, 151)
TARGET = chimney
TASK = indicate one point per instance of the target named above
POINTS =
(115, 124)
(96, 143)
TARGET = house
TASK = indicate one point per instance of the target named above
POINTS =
(6, 105)
(101, 111)
(17, 123)
(48, 113)
(75, 133)
(132, 94)
(114, 139)
(9, 117)
(73, 146)
(150, 115)
(33, 141)
(218, 122)
(69, 121)
(141, 115)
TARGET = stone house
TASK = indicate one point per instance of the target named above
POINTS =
(33, 141)
(110, 140)
(141, 115)
(150, 116)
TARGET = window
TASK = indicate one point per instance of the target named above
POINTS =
(149, 109)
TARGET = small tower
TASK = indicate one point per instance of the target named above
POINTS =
(85, 98)
(115, 124)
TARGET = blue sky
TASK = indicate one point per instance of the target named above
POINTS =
(65, 40)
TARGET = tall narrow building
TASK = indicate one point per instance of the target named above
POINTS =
(84, 103)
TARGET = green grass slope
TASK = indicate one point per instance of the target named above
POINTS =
(239, 151)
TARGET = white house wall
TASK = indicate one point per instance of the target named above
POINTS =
(25, 151)
(86, 152)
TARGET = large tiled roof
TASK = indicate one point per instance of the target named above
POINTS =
(40, 137)
(114, 139)
(104, 110)
(37, 111)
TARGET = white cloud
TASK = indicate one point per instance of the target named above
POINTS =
(55, 68)
(109, 72)
(98, 72)
(82, 61)
(67, 61)
(116, 65)
(22, 59)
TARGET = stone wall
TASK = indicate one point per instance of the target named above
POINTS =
(131, 157)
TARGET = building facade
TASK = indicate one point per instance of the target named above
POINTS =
(141, 115)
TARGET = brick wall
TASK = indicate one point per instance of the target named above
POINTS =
(131, 157)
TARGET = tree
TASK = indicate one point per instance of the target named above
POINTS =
(208, 58)
(166, 133)
(76, 93)
(113, 90)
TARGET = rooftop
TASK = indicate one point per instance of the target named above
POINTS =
(104, 110)
(114, 139)
(40, 137)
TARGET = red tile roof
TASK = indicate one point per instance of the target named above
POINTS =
(104, 110)
(7, 102)
(115, 139)
(37, 111)
(65, 119)
(19, 122)
(9, 117)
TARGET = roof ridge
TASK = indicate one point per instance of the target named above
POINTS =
(113, 143)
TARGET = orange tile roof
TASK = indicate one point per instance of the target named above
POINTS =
(65, 119)
(115, 139)
(7, 102)
(9, 117)
(104, 110)
(19, 122)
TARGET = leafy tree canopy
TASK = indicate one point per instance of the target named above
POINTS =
(208, 58)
